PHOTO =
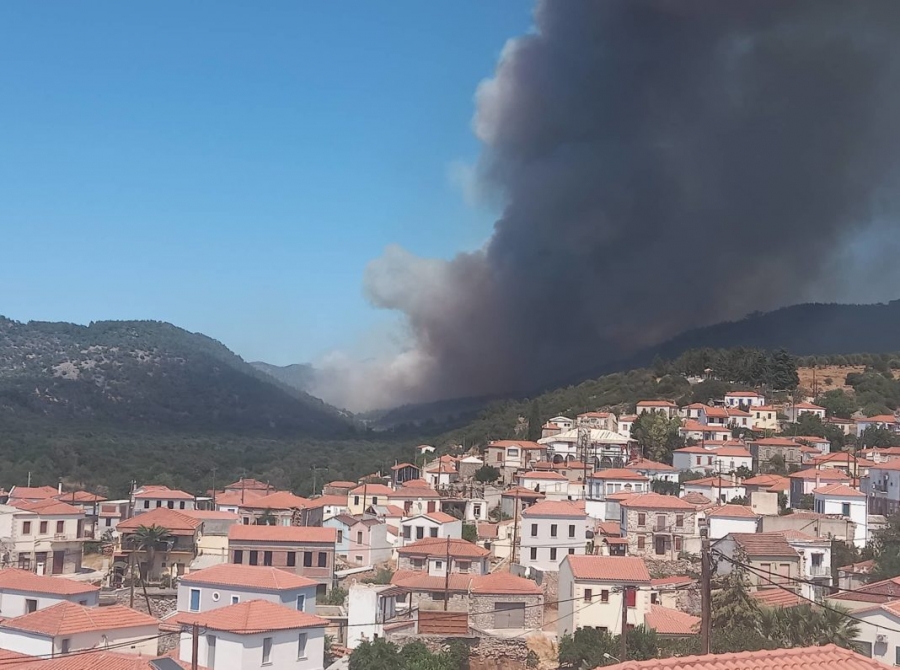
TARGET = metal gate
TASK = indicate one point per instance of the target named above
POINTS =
(509, 615)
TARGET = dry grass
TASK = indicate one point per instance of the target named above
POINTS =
(823, 373)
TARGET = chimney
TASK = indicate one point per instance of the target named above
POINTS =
(818, 479)
(734, 480)
(59, 487)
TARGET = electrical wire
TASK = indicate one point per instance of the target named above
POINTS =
(43, 658)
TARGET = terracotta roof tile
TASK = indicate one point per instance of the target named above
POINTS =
(656, 403)
(290, 534)
(520, 492)
(414, 580)
(73, 497)
(407, 492)
(656, 501)
(33, 492)
(327, 501)
(49, 507)
(776, 598)
(237, 498)
(541, 475)
(733, 511)
(440, 517)
(68, 618)
(504, 583)
(438, 546)
(861, 568)
(161, 493)
(839, 490)
(23, 580)
(342, 484)
(372, 490)
(667, 621)
(488, 531)
(813, 474)
(647, 464)
(249, 576)
(210, 515)
(176, 523)
(696, 499)
(877, 592)
(826, 657)
(250, 618)
(673, 580)
(609, 528)
(618, 473)
(609, 568)
(280, 500)
(764, 544)
(95, 660)
(562, 508)
(743, 394)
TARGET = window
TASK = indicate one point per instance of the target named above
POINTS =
(552, 553)
(588, 594)
(640, 542)
(238, 556)
(476, 511)
(60, 527)
(420, 532)
(896, 655)
(571, 551)
(534, 530)
(463, 565)
(108, 522)
(254, 557)
(679, 520)
(418, 563)
(267, 651)
(355, 500)
(292, 559)
(678, 543)
(146, 504)
(709, 461)
(171, 504)
(437, 595)
(642, 519)
(359, 537)
(572, 530)
(215, 596)
(499, 455)
(439, 565)
(159, 503)
(307, 559)
(654, 598)
(64, 646)
(210, 651)
(604, 596)
(301, 646)
(432, 532)
(699, 460)
(406, 533)
(43, 529)
(323, 559)
(301, 602)
(195, 600)
(552, 530)
(845, 509)
(26, 528)
(30, 605)
(235, 600)
(267, 558)
(534, 553)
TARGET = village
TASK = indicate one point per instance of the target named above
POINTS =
(517, 546)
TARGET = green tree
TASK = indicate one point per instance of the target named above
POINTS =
(376, 655)
(470, 533)
(642, 643)
(806, 424)
(783, 371)
(586, 649)
(383, 575)
(487, 474)
(886, 548)
(777, 465)
(149, 540)
(657, 435)
(838, 403)
(335, 596)
(732, 606)
(873, 436)
(534, 421)
(665, 487)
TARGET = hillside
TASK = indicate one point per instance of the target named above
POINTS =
(146, 373)
(299, 376)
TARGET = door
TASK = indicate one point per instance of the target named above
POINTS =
(509, 615)
(59, 561)
(211, 652)
(660, 545)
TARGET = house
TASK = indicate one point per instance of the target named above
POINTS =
(767, 483)
(821, 444)
(843, 461)
(361, 540)
(341, 524)
(854, 576)
(718, 488)
(45, 536)
(359, 498)
(415, 497)
(883, 421)
(552, 484)
(695, 459)
(744, 399)
(605, 448)
(304, 550)
(738, 418)
(512, 455)
(89, 504)
(515, 500)
(658, 526)
(714, 416)
(253, 634)
(879, 632)
(468, 466)
(212, 543)
(846, 501)
(501, 601)
(882, 488)
(228, 584)
(279, 509)
(432, 556)
(403, 472)
(825, 657)
(370, 607)
(766, 554)
(331, 505)
(550, 531)
(109, 514)
(668, 622)
(31, 493)
(23, 592)
(732, 456)
(705, 432)
(564, 422)
(727, 519)
(150, 497)
(883, 591)
(765, 450)
(654, 471)
(670, 409)
(846, 426)
(497, 537)
(626, 422)
(175, 553)
(813, 523)
(442, 472)
(805, 481)
(429, 525)
(613, 480)
(231, 501)
(764, 418)
(666, 590)
(815, 563)
(67, 627)
(573, 471)
(597, 420)
(340, 487)
(794, 412)
(591, 590)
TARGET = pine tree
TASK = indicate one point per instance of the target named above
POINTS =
(534, 421)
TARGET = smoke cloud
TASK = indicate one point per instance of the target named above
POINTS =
(662, 164)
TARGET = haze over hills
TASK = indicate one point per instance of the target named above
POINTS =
(300, 376)
(147, 373)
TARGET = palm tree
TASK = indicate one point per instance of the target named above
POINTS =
(266, 518)
(148, 539)
(836, 627)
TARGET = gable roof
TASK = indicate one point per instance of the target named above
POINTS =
(733, 512)
(327, 501)
(415, 580)
(504, 583)
(32, 492)
(826, 657)
(656, 403)
(647, 464)
(73, 497)
(618, 473)
(841, 490)
(608, 568)
(535, 474)
(764, 544)
(250, 618)
(561, 508)
(524, 444)
(95, 659)
(175, 522)
(67, 618)
(436, 547)
(521, 492)
(161, 492)
(48, 507)
(813, 473)
(656, 501)
(776, 598)
(877, 592)
(248, 576)
(15, 579)
(282, 500)
(372, 490)
(292, 534)
(666, 621)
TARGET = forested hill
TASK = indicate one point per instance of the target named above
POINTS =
(147, 373)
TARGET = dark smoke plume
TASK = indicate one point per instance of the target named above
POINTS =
(662, 164)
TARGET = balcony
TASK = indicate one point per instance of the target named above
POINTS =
(819, 571)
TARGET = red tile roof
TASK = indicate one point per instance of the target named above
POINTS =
(656, 501)
(524, 444)
(541, 475)
(647, 464)
(237, 498)
(48, 507)
(656, 403)
(861, 568)
(435, 547)
(94, 660)
(520, 492)
(877, 592)
(764, 544)
(826, 657)
(667, 621)
(743, 394)
(618, 473)
(68, 618)
(250, 618)
(161, 493)
(609, 568)
(177, 523)
(504, 583)
(281, 500)
(733, 512)
(696, 499)
(413, 580)
(733, 452)
(73, 497)
(879, 418)
(712, 482)
(807, 405)
(410, 492)
(440, 517)
(609, 528)
(813, 474)
(839, 490)
(400, 466)
(327, 501)
(248, 576)
(342, 484)
(674, 580)
(210, 515)
(369, 490)
(23, 580)
(562, 508)
(247, 483)
(32, 492)
(488, 531)
(776, 598)
(289, 534)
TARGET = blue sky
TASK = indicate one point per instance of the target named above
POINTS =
(232, 167)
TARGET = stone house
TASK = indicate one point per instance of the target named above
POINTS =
(774, 563)
(763, 451)
(502, 601)
(432, 556)
(172, 556)
(286, 508)
(658, 526)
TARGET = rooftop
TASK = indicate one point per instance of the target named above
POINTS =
(249, 576)
(554, 476)
(68, 618)
(609, 568)
(48, 507)
(656, 501)
(618, 473)
(647, 464)
(826, 657)
(841, 490)
(292, 534)
(504, 583)
(32, 492)
(561, 508)
(250, 618)
(439, 546)
(733, 512)
(177, 523)
(372, 490)
(776, 598)
(24, 580)
(161, 493)
(280, 500)
(813, 473)
(666, 621)
(764, 544)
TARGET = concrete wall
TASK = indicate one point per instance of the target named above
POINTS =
(236, 652)
(12, 603)
(215, 596)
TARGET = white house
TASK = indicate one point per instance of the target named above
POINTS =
(744, 399)
(613, 480)
(229, 584)
(369, 607)
(46, 536)
(150, 497)
(815, 563)
(794, 412)
(564, 422)
(254, 634)
(846, 501)
(552, 484)
(670, 409)
(68, 627)
(879, 636)
(731, 456)
(591, 589)
(653, 471)
(705, 432)
(731, 519)
(626, 422)
(885, 421)
(723, 489)
(882, 487)
(696, 459)
(23, 592)
(550, 531)
(431, 524)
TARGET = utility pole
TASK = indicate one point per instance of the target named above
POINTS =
(623, 652)
(214, 487)
(447, 577)
(195, 645)
(131, 578)
(705, 592)
(515, 528)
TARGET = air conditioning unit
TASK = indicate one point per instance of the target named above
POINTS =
(881, 638)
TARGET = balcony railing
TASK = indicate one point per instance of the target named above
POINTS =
(819, 571)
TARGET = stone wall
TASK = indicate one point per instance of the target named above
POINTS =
(163, 602)
(458, 602)
(481, 648)
(481, 609)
